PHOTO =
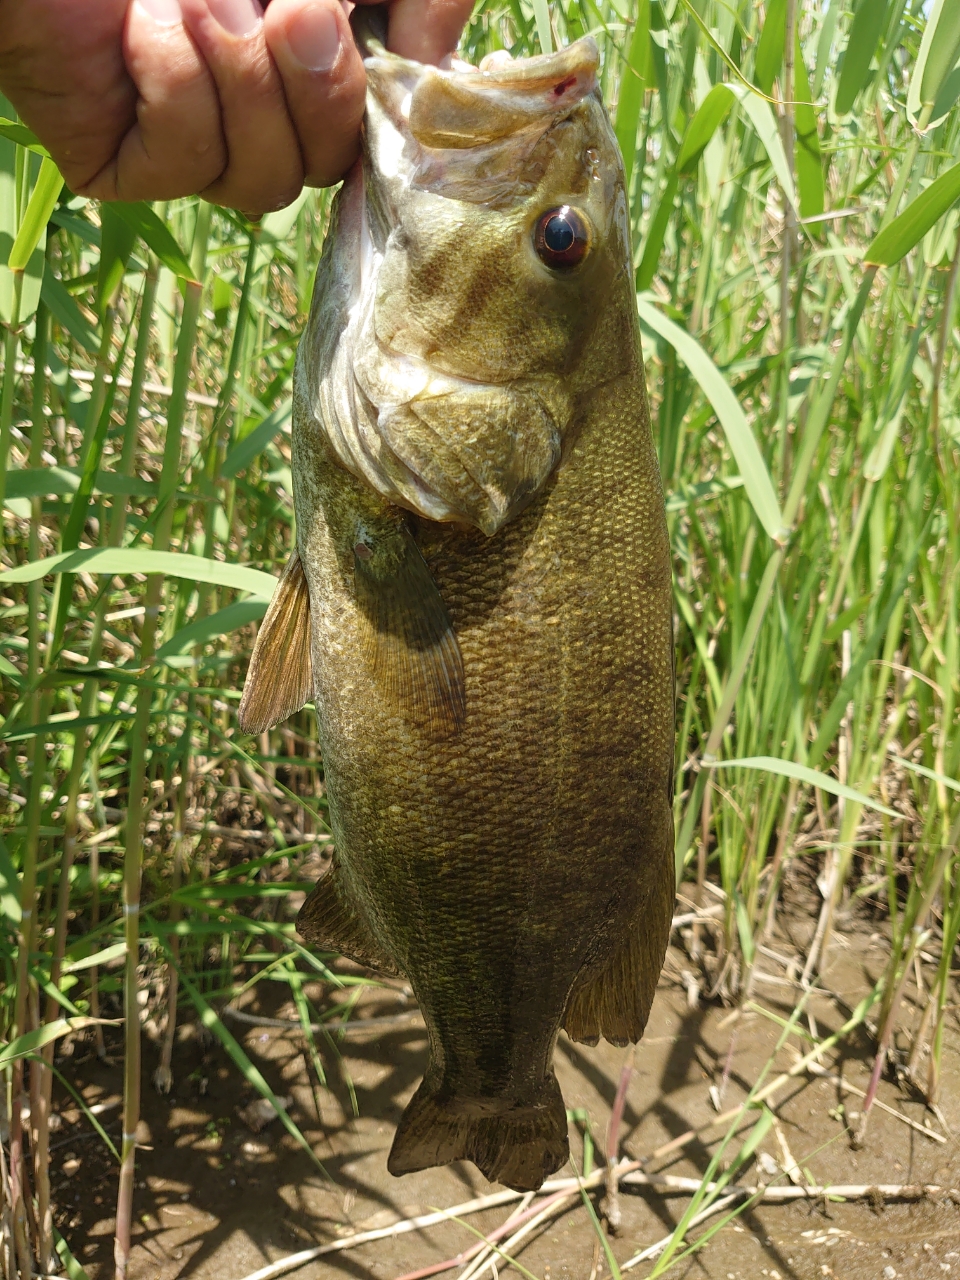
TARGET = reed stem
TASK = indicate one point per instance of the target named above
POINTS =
(139, 739)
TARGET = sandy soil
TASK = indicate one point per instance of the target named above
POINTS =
(217, 1201)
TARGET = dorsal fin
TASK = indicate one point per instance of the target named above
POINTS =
(280, 676)
(410, 642)
(615, 1002)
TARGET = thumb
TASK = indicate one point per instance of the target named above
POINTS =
(323, 80)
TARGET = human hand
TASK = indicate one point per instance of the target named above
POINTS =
(154, 99)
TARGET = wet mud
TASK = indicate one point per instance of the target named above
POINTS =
(218, 1201)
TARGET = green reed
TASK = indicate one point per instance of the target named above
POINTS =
(805, 381)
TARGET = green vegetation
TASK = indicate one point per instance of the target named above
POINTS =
(792, 195)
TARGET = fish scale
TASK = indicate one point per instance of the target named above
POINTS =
(495, 703)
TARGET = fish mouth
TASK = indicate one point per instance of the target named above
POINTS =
(466, 130)
(466, 106)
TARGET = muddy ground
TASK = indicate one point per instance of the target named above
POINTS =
(218, 1201)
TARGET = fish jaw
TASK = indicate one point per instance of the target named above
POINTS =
(451, 383)
(460, 110)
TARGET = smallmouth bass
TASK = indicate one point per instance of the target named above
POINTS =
(480, 596)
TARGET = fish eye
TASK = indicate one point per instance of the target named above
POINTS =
(562, 238)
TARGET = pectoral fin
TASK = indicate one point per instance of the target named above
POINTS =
(410, 641)
(280, 676)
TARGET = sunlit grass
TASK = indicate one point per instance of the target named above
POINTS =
(806, 414)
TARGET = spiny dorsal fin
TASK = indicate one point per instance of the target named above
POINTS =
(410, 642)
(280, 676)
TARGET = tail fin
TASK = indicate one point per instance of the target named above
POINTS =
(519, 1148)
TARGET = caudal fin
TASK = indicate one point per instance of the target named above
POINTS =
(519, 1148)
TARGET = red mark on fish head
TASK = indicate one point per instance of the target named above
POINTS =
(560, 89)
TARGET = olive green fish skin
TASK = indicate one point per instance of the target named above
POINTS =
(516, 863)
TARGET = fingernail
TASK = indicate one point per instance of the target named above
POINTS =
(239, 17)
(166, 12)
(313, 37)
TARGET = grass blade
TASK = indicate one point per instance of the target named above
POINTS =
(213, 626)
(144, 222)
(939, 51)
(541, 13)
(802, 773)
(31, 1041)
(37, 215)
(742, 442)
(710, 116)
(21, 135)
(252, 445)
(634, 78)
(114, 560)
(865, 33)
(907, 230)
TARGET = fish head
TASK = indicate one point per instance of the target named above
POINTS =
(481, 240)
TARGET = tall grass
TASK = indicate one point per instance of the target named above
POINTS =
(792, 198)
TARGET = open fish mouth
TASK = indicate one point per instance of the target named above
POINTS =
(448, 384)
(466, 107)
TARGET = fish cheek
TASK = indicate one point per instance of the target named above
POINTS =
(475, 302)
(443, 292)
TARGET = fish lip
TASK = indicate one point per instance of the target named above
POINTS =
(580, 59)
(369, 30)
(450, 108)
(583, 55)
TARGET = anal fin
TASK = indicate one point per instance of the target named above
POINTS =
(330, 922)
(280, 676)
(410, 641)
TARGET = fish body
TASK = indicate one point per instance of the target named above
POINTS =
(480, 599)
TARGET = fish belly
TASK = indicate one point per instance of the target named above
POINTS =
(520, 871)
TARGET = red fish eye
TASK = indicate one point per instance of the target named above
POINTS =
(562, 238)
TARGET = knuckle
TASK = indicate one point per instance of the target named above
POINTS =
(254, 197)
(259, 78)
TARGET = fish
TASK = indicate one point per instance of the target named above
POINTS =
(479, 601)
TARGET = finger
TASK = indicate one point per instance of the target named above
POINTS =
(61, 65)
(264, 169)
(425, 30)
(323, 80)
(176, 147)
